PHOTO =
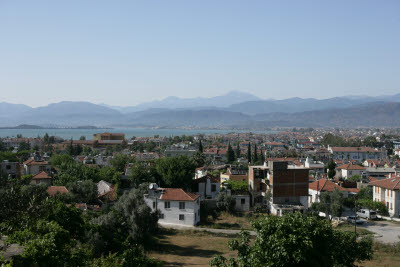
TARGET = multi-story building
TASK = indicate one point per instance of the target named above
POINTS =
(34, 166)
(11, 169)
(176, 206)
(388, 192)
(348, 170)
(257, 183)
(180, 150)
(207, 187)
(235, 173)
(356, 153)
(289, 187)
(109, 136)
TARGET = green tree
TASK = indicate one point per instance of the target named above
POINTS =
(230, 154)
(24, 146)
(200, 147)
(354, 178)
(130, 220)
(141, 172)
(176, 171)
(249, 153)
(262, 157)
(59, 159)
(255, 157)
(46, 138)
(225, 202)
(331, 169)
(331, 203)
(82, 138)
(237, 151)
(199, 159)
(296, 240)
(119, 162)
(83, 191)
(365, 193)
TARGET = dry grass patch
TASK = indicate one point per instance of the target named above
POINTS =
(225, 220)
(190, 248)
(385, 255)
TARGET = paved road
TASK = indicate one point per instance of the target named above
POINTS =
(386, 232)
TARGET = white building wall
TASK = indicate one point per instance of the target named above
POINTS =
(171, 215)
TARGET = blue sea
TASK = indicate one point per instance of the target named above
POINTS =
(129, 132)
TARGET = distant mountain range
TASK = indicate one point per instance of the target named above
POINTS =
(233, 110)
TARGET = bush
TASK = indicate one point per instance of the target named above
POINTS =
(225, 202)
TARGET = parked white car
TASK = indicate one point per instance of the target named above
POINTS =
(366, 214)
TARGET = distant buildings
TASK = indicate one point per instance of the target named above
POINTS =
(356, 153)
(109, 136)
(180, 150)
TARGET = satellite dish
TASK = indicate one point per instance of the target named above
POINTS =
(153, 186)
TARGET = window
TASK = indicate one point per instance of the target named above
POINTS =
(167, 205)
(391, 207)
(181, 205)
(8, 167)
(243, 201)
(154, 204)
(181, 217)
(213, 188)
(161, 216)
(42, 168)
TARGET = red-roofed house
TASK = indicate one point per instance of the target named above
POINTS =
(349, 169)
(356, 153)
(388, 191)
(325, 185)
(208, 186)
(54, 190)
(32, 166)
(42, 177)
(176, 205)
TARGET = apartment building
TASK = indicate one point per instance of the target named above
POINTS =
(388, 191)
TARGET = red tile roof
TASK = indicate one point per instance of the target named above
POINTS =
(53, 190)
(203, 179)
(178, 194)
(350, 166)
(327, 185)
(33, 162)
(353, 149)
(42, 175)
(390, 183)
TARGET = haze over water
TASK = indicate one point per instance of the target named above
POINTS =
(129, 132)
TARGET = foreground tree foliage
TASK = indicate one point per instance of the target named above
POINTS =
(54, 232)
(330, 203)
(296, 240)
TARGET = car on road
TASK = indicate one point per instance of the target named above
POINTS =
(354, 219)
(366, 214)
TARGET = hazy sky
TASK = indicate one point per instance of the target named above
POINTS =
(126, 52)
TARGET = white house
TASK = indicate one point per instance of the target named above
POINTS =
(347, 170)
(356, 153)
(176, 206)
(388, 192)
(207, 187)
(35, 166)
(325, 185)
